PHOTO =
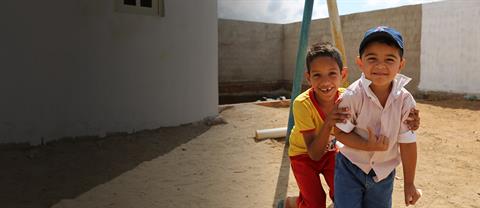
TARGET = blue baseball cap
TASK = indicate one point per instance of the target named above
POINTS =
(381, 31)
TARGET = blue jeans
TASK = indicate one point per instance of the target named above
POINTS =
(355, 189)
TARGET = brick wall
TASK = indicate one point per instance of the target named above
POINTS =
(261, 54)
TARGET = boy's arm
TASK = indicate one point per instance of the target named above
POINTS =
(353, 140)
(344, 131)
(316, 144)
(413, 120)
(408, 152)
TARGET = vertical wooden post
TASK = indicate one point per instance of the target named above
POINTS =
(336, 28)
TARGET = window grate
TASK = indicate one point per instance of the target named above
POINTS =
(130, 2)
(146, 3)
(142, 7)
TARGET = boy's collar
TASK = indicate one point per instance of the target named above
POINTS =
(399, 82)
(311, 94)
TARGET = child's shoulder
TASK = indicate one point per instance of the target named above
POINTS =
(302, 98)
(303, 103)
(354, 89)
(407, 97)
(405, 92)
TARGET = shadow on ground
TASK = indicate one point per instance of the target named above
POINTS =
(452, 103)
(41, 176)
(282, 180)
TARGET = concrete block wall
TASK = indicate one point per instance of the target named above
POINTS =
(250, 56)
(442, 43)
(406, 19)
(259, 54)
(319, 32)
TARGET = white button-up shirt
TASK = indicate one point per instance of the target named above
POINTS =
(366, 111)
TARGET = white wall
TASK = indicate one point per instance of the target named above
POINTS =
(75, 67)
(450, 54)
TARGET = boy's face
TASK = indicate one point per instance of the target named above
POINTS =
(325, 78)
(380, 63)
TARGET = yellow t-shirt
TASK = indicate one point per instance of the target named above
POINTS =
(308, 116)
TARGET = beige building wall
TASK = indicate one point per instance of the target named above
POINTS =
(75, 68)
(451, 47)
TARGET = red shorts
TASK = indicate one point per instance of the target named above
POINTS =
(307, 173)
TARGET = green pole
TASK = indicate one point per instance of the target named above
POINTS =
(299, 67)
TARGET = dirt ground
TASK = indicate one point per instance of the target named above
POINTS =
(223, 165)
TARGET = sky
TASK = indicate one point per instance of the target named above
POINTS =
(287, 11)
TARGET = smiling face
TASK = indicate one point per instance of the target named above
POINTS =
(325, 77)
(380, 63)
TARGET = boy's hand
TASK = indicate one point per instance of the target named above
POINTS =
(412, 194)
(337, 115)
(413, 120)
(375, 143)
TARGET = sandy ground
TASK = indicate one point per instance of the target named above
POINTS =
(223, 165)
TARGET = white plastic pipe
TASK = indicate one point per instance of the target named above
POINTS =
(271, 133)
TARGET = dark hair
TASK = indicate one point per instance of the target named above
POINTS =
(324, 49)
(383, 39)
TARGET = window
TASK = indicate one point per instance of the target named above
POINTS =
(146, 3)
(130, 2)
(145, 7)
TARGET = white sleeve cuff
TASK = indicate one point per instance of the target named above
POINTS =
(407, 137)
(345, 127)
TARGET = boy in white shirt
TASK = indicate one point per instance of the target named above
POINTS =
(379, 105)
